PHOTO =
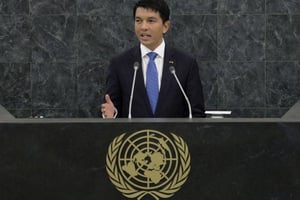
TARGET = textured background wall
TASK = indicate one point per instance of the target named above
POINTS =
(54, 53)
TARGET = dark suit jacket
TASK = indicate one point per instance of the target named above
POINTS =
(171, 102)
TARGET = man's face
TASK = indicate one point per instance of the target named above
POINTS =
(149, 27)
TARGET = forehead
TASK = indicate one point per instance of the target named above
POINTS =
(146, 12)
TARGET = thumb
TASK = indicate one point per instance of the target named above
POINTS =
(107, 99)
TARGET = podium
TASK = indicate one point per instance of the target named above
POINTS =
(293, 112)
(229, 158)
(4, 114)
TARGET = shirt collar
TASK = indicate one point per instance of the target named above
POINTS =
(160, 50)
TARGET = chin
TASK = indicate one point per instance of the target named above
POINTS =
(147, 44)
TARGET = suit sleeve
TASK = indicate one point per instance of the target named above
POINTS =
(194, 90)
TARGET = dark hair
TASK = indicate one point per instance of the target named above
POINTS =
(156, 5)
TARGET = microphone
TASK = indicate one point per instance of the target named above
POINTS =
(135, 67)
(172, 70)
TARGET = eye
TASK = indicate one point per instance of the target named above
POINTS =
(138, 21)
(152, 20)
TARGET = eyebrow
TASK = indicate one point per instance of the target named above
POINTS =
(152, 17)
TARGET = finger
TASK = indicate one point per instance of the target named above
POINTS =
(107, 99)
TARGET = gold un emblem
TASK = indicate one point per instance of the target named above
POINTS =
(148, 162)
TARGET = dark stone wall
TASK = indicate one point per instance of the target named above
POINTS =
(54, 53)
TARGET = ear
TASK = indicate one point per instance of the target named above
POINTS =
(166, 26)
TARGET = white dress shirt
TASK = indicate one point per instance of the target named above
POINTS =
(159, 60)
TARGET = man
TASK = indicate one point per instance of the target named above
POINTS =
(163, 98)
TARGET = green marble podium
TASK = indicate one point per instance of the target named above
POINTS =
(230, 158)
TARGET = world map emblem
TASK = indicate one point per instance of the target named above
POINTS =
(148, 162)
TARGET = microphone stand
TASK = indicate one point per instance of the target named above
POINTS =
(172, 70)
(135, 67)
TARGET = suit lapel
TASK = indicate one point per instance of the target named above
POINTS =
(140, 84)
(166, 79)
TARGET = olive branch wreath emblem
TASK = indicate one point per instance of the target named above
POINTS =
(167, 191)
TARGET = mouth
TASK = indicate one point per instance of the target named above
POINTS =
(145, 36)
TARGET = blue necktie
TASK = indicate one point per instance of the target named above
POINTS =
(152, 81)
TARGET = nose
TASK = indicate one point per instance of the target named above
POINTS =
(144, 25)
